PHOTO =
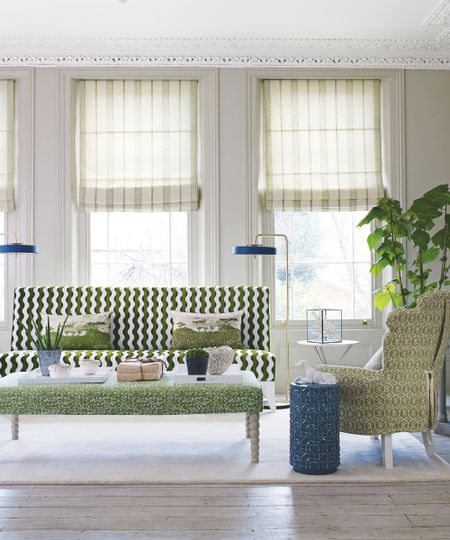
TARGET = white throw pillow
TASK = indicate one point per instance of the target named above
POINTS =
(376, 361)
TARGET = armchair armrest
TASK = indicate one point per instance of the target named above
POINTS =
(356, 377)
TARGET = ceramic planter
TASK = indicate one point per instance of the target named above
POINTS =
(47, 357)
(197, 365)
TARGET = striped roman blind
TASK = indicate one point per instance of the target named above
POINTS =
(137, 145)
(7, 144)
(322, 144)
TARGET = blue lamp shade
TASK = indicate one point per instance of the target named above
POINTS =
(18, 248)
(254, 249)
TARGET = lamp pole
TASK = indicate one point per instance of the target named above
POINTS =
(286, 320)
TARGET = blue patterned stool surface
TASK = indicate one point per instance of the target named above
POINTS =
(314, 442)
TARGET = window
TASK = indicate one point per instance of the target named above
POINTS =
(329, 264)
(137, 176)
(7, 170)
(139, 248)
(137, 145)
(322, 172)
(7, 144)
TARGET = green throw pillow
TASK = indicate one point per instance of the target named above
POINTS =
(191, 330)
(89, 331)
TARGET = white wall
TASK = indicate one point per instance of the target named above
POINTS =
(427, 148)
(427, 135)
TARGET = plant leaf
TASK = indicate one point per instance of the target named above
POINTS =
(375, 213)
(378, 267)
(381, 299)
(374, 238)
(430, 254)
(420, 238)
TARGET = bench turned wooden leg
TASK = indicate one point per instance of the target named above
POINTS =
(247, 425)
(254, 436)
(14, 427)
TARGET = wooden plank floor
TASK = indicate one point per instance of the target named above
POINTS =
(332, 511)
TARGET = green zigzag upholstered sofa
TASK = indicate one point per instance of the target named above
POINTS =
(141, 324)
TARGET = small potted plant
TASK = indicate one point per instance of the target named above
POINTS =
(47, 344)
(197, 361)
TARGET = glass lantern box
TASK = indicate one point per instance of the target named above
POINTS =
(324, 325)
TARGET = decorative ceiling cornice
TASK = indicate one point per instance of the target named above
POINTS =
(236, 52)
(345, 61)
(142, 45)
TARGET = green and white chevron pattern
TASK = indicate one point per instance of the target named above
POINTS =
(140, 322)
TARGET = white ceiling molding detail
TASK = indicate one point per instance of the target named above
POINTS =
(410, 35)
(439, 16)
(138, 45)
(393, 62)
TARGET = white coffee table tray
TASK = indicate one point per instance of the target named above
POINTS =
(75, 376)
(232, 376)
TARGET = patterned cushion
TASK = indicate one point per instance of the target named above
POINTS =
(192, 330)
(82, 331)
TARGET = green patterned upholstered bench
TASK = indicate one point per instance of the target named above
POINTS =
(141, 324)
(134, 398)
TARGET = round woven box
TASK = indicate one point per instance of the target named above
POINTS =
(314, 442)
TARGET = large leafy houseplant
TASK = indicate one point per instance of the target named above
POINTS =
(408, 242)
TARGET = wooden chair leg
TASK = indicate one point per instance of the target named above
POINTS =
(428, 443)
(14, 427)
(387, 457)
(254, 436)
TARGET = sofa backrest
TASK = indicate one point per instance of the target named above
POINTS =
(140, 317)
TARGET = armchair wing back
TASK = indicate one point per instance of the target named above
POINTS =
(417, 343)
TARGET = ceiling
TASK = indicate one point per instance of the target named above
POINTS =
(242, 27)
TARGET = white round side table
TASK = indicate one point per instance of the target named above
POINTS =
(321, 347)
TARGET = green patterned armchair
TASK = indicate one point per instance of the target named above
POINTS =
(141, 323)
(402, 396)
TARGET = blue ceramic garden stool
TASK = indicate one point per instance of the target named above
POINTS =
(314, 428)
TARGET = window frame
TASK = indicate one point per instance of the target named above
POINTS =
(392, 129)
(19, 270)
(88, 259)
(203, 224)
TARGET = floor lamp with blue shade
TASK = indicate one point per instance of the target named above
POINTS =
(259, 249)
(17, 247)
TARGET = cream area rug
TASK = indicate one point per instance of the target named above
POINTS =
(187, 449)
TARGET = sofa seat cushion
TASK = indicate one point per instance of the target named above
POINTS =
(261, 363)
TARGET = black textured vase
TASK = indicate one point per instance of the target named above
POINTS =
(197, 366)
(314, 446)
